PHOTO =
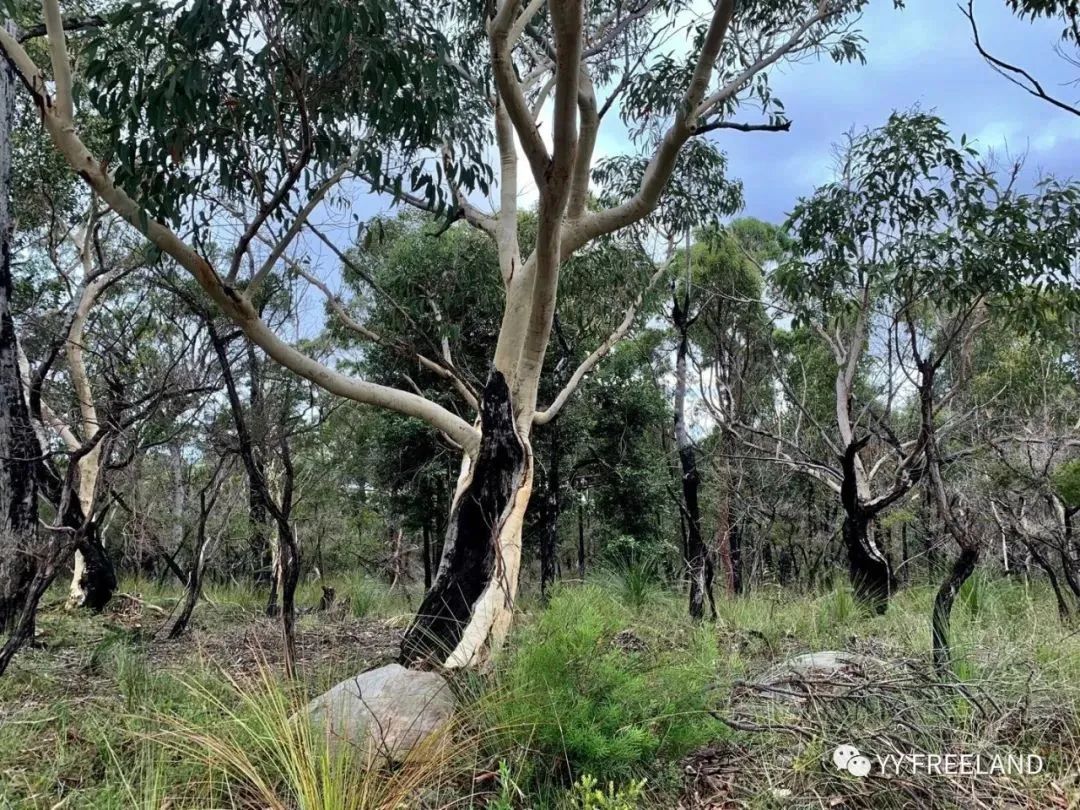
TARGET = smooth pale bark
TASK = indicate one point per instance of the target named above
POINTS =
(93, 579)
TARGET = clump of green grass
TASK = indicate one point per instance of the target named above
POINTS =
(586, 689)
(640, 582)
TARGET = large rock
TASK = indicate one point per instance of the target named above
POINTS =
(387, 712)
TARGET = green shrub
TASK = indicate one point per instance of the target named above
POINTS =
(585, 697)
(639, 583)
(587, 796)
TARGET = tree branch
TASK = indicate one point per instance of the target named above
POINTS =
(601, 351)
(96, 175)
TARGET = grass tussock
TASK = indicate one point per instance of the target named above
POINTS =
(607, 699)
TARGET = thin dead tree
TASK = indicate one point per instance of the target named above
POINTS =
(202, 548)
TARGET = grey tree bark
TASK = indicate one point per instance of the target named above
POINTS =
(19, 448)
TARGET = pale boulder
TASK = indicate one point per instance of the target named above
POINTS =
(388, 712)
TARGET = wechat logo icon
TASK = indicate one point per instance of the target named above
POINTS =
(846, 757)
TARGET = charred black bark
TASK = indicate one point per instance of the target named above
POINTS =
(19, 449)
(280, 510)
(549, 537)
(962, 569)
(581, 542)
(193, 586)
(735, 541)
(871, 575)
(1070, 553)
(697, 558)
(472, 534)
(427, 556)
(1051, 576)
(99, 576)
(98, 581)
(258, 525)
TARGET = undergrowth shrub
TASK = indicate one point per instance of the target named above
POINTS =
(583, 694)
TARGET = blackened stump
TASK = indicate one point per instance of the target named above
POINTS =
(961, 570)
(472, 535)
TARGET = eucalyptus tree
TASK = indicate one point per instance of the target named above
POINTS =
(919, 242)
(1024, 382)
(439, 286)
(252, 112)
(733, 359)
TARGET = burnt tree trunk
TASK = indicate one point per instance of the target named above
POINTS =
(98, 580)
(1070, 554)
(288, 559)
(258, 525)
(193, 585)
(19, 448)
(735, 542)
(957, 525)
(486, 494)
(871, 577)
(697, 562)
(581, 542)
(280, 511)
(961, 570)
(427, 556)
(53, 554)
(1051, 576)
(549, 537)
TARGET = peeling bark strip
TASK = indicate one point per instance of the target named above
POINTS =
(478, 518)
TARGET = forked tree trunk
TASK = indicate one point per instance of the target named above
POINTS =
(871, 575)
(961, 571)
(467, 611)
(19, 448)
(193, 586)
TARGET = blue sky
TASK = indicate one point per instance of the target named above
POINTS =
(921, 55)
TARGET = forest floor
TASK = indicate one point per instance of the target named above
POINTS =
(607, 699)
